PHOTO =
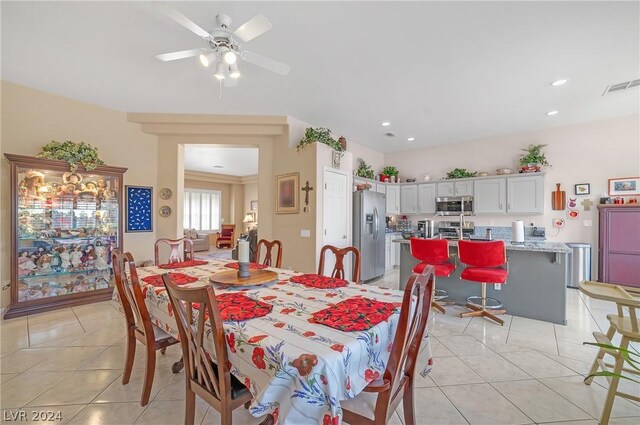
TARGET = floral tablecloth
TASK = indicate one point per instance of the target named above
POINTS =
(297, 370)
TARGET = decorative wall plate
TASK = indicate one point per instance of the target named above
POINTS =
(165, 211)
(165, 193)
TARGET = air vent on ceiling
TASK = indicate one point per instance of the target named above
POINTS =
(390, 134)
(621, 86)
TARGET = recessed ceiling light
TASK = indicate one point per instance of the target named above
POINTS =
(561, 82)
(552, 113)
(386, 124)
(411, 139)
(218, 166)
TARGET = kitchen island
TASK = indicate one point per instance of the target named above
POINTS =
(536, 286)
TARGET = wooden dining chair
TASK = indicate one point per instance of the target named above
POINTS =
(174, 245)
(139, 326)
(209, 380)
(397, 381)
(268, 258)
(338, 269)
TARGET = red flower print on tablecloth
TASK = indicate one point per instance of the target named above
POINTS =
(231, 341)
(183, 264)
(330, 420)
(236, 307)
(308, 334)
(355, 314)
(252, 266)
(256, 339)
(258, 358)
(287, 310)
(316, 281)
(324, 380)
(177, 278)
(305, 363)
(279, 325)
(370, 375)
(275, 415)
(269, 297)
(337, 347)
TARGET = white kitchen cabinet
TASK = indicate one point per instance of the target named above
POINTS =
(393, 199)
(388, 261)
(445, 189)
(380, 188)
(490, 196)
(461, 188)
(427, 198)
(409, 199)
(525, 195)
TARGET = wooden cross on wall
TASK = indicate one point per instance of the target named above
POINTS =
(306, 189)
(586, 204)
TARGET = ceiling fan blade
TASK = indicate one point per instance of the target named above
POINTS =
(182, 20)
(254, 27)
(181, 54)
(265, 62)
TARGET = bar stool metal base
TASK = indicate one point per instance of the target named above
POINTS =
(439, 299)
(482, 308)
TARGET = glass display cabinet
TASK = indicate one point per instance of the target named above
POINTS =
(64, 227)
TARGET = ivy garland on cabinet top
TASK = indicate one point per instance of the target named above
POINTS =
(319, 135)
(460, 173)
(73, 153)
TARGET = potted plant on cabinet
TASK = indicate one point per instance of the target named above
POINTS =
(364, 170)
(389, 173)
(533, 159)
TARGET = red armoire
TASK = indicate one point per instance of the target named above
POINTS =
(619, 244)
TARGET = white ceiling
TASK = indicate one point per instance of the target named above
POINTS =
(234, 161)
(441, 72)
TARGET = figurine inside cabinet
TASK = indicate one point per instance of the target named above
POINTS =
(65, 226)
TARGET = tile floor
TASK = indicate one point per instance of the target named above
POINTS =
(525, 372)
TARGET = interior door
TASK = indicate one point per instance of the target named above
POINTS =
(336, 215)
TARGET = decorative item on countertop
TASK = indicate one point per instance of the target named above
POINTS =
(533, 159)
(243, 258)
(460, 173)
(74, 153)
(503, 171)
(364, 170)
(582, 189)
(558, 198)
(410, 179)
(483, 174)
(517, 231)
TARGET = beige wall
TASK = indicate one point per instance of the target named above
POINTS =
(32, 118)
(371, 157)
(587, 153)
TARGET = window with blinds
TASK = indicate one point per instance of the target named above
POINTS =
(202, 209)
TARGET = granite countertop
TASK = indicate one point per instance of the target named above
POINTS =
(540, 246)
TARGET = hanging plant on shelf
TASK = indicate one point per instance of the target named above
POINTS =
(533, 159)
(319, 135)
(460, 173)
(73, 153)
(364, 170)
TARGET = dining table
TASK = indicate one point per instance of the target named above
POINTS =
(297, 370)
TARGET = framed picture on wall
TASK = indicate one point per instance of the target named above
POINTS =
(254, 205)
(624, 186)
(582, 189)
(287, 197)
(138, 209)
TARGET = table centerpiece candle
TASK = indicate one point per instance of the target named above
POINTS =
(243, 258)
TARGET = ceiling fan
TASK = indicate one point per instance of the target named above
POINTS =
(224, 46)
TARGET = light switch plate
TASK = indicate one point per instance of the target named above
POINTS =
(305, 233)
(497, 286)
(587, 223)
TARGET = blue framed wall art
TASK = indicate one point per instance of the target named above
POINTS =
(139, 209)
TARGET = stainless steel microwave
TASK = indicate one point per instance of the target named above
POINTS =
(454, 205)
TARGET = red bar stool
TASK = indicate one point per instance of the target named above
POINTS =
(484, 262)
(433, 252)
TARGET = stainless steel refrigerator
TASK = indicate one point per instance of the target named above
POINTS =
(369, 212)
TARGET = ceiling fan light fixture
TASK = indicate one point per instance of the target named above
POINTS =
(227, 55)
(219, 74)
(234, 72)
(207, 59)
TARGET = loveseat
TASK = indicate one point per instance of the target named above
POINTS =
(200, 240)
